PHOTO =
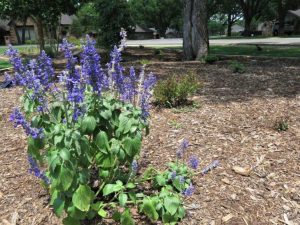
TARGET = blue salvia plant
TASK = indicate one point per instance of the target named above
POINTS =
(85, 128)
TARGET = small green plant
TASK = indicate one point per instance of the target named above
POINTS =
(175, 90)
(237, 67)
(30, 42)
(50, 51)
(175, 124)
(281, 125)
(157, 52)
(75, 41)
(145, 62)
(211, 59)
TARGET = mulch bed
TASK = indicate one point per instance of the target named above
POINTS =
(233, 121)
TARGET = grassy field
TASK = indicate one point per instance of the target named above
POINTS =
(4, 64)
(251, 50)
(27, 49)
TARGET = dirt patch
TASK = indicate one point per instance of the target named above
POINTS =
(233, 123)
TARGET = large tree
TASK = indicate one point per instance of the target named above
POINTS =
(157, 13)
(282, 7)
(252, 9)
(232, 12)
(195, 33)
(112, 16)
(42, 12)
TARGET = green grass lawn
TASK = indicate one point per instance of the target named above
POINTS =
(251, 50)
(27, 49)
(4, 64)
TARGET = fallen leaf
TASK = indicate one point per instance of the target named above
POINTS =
(226, 181)
(244, 171)
(227, 218)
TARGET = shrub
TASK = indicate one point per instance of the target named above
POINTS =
(237, 67)
(175, 90)
(30, 42)
(73, 40)
(87, 134)
(211, 59)
(281, 125)
(50, 51)
(157, 52)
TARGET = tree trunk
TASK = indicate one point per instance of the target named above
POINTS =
(195, 32)
(248, 20)
(281, 16)
(229, 25)
(40, 34)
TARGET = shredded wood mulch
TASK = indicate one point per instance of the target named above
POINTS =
(232, 120)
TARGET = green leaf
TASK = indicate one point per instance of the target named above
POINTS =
(83, 197)
(102, 142)
(88, 124)
(75, 213)
(106, 114)
(169, 219)
(70, 221)
(132, 146)
(171, 204)
(66, 178)
(130, 185)
(110, 188)
(105, 161)
(65, 154)
(126, 218)
(161, 180)
(57, 203)
(148, 208)
(102, 213)
(58, 139)
(123, 199)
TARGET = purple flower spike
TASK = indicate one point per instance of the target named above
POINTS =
(184, 145)
(134, 166)
(173, 175)
(189, 191)
(194, 162)
(19, 120)
(34, 169)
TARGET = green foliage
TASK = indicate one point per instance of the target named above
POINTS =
(237, 67)
(86, 20)
(73, 40)
(157, 13)
(175, 90)
(112, 16)
(211, 59)
(157, 52)
(281, 125)
(50, 51)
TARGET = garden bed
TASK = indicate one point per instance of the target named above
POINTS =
(232, 121)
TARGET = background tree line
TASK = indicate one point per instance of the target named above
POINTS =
(191, 17)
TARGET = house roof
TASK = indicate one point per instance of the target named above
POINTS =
(67, 19)
(295, 12)
(4, 24)
(139, 29)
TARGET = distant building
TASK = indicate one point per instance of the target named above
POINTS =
(11, 30)
(293, 18)
(142, 33)
(235, 29)
(173, 33)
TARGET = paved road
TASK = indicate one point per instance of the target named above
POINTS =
(178, 42)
